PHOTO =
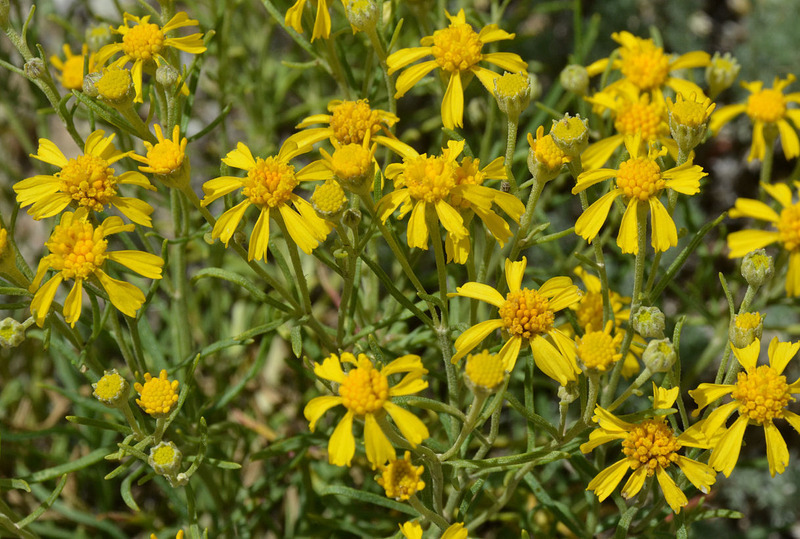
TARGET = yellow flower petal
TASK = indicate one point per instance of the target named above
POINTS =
(411, 76)
(455, 531)
(509, 353)
(145, 264)
(219, 187)
(322, 23)
(403, 57)
(780, 192)
(607, 480)
(228, 221)
(634, 483)
(330, 369)
(124, 296)
(40, 304)
(550, 361)
(417, 232)
(663, 233)
(747, 207)
(299, 229)
(482, 292)
(240, 158)
(726, 453)
(748, 356)
(723, 115)
(789, 140)
(259, 238)
(777, 452)
(134, 209)
(780, 353)
(742, 242)
(591, 221)
(514, 272)
(453, 103)
(627, 239)
(596, 155)
(73, 303)
(506, 60)
(702, 476)
(412, 427)
(342, 445)
(675, 497)
(705, 394)
(379, 448)
(473, 337)
(49, 153)
(317, 407)
(793, 275)
(592, 177)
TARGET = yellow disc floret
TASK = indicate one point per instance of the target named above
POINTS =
(143, 41)
(365, 389)
(512, 85)
(400, 478)
(72, 73)
(352, 163)
(589, 310)
(352, 121)
(165, 156)
(767, 106)
(109, 386)
(485, 370)
(115, 84)
(598, 349)
(690, 113)
(762, 394)
(748, 320)
(645, 65)
(77, 249)
(652, 444)
(457, 47)
(328, 199)
(89, 180)
(526, 313)
(789, 227)
(270, 183)
(641, 117)
(428, 178)
(640, 178)
(546, 151)
(158, 395)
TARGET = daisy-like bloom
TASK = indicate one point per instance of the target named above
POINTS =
(787, 233)
(401, 479)
(640, 181)
(648, 68)
(269, 185)
(145, 44)
(157, 396)
(349, 122)
(71, 68)
(87, 179)
(688, 119)
(650, 448)
(115, 87)
(760, 396)
(633, 114)
(78, 251)
(365, 392)
(456, 50)
(599, 350)
(413, 530)
(525, 316)
(766, 107)
(166, 158)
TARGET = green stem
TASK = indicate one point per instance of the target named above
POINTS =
(530, 369)
(420, 508)
(770, 134)
(511, 145)
(142, 131)
(641, 379)
(525, 221)
(591, 400)
(468, 426)
(438, 250)
(128, 413)
(377, 46)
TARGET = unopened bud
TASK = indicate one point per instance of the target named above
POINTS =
(115, 87)
(353, 166)
(328, 200)
(351, 218)
(721, 73)
(545, 159)
(575, 78)
(649, 322)
(112, 389)
(90, 84)
(568, 393)
(34, 68)
(746, 328)
(12, 333)
(97, 36)
(757, 268)
(688, 120)
(484, 372)
(362, 14)
(659, 356)
(167, 76)
(165, 458)
(570, 134)
(513, 93)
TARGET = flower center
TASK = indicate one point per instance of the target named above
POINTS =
(652, 444)
(429, 178)
(270, 183)
(548, 154)
(762, 394)
(400, 478)
(512, 85)
(109, 387)
(457, 48)
(526, 313)
(364, 390)
(89, 180)
(646, 66)
(164, 455)
(569, 130)
(351, 163)
(352, 121)
(485, 369)
(72, 73)
(748, 320)
(328, 198)
(157, 395)
(789, 227)
(766, 106)
(77, 249)
(641, 117)
(689, 113)
(590, 310)
(466, 173)
(640, 178)
(165, 157)
(114, 84)
(143, 41)
(598, 350)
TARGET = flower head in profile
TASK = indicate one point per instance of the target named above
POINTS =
(413, 530)
(401, 479)
(545, 158)
(72, 66)
(760, 395)
(647, 68)
(526, 316)
(157, 396)
(786, 231)
(651, 448)
(166, 158)
(269, 185)
(366, 394)
(348, 122)
(457, 50)
(640, 181)
(767, 108)
(87, 180)
(322, 22)
(78, 251)
(145, 44)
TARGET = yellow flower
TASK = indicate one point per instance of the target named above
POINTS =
(525, 316)
(71, 67)
(158, 396)
(166, 158)
(599, 350)
(115, 87)
(269, 185)
(760, 396)
(112, 389)
(640, 181)
(633, 114)
(545, 158)
(787, 233)
(349, 122)
(365, 392)
(650, 448)
(766, 108)
(78, 251)
(87, 179)
(145, 43)
(328, 199)
(456, 51)
(647, 67)
(352, 165)
(322, 22)
(484, 371)
(401, 479)
(413, 530)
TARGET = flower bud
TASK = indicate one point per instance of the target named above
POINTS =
(513, 93)
(746, 328)
(569, 393)
(659, 356)
(112, 389)
(328, 200)
(12, 333)
(721, 73)
(167, 76)
(115, 87)
(570, 134)
(575, 78)
(353, 166)
(484, 372)
(649, 322)
(90, 84)
(362, 14)
(351, 218)
(688, 120)
(34, 68)
(757, 268)
(545, 159)
(97, 36)
(165, 458)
